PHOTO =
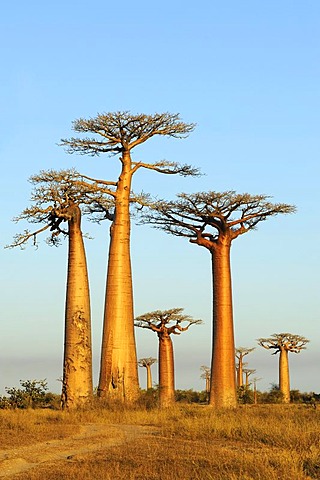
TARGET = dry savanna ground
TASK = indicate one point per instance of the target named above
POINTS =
(265, 442)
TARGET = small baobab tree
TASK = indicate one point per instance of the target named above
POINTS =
(213, 220)
(117, 134)
(58, 198)
(247, 373)
(255, 395)
(206, 375)
(283, 343)
(147, 364)
(160, 321)
(241, 352)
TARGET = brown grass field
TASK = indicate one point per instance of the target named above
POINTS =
(263, 442)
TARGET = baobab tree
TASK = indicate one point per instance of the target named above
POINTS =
(57, 198)
(206, 375)
(118, 134)
(283, 343)
(213, 220)
(147, 363)
(160, 322)
(255, 396)
(247, 372)
(240, 353)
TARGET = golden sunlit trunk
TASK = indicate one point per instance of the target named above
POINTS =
(166, 371)
(118, 369)
(77, 369)
(149, 377)
(207, 384)
(284, 382)
(223, 381)
(240, 373)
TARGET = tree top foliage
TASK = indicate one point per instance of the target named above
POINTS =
(159, 320)
(205, 372)
(53, 196)
(204, 217)
(123, 131)
(146, 362)
(242, 351)
(284, 341)
(119, 132)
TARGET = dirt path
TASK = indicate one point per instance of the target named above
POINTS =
(92, 437)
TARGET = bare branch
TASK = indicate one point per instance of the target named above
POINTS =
(284, 341)
(123, 131)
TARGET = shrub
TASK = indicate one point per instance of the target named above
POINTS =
(33, 394)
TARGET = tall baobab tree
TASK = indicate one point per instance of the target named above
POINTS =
(118, 134)
(160, 322)
(147, 364)
(57, 198)
(213, 220)
(240, 353)
(283, 343)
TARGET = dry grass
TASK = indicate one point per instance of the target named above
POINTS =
(24, 427)
(188, 442)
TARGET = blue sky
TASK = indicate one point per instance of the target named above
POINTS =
(247, 73)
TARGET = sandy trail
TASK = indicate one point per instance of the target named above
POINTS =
(91, 438)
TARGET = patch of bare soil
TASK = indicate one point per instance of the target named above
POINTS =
(92, 438)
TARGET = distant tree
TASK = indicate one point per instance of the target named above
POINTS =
(283, 343)
(147, 363)
(206, 375)
(119, 133)
(240, 353)
(255, 395)
(57, 198)
(247, 372)
(213, 220)
(160, 321)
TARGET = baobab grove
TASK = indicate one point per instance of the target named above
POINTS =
(58, 199)
(166, 323)
(117, 134)
(213, 220)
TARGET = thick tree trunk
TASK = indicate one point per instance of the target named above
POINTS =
(223, 381)
(77, 368)
(284, 381)
(166, 371)
(149, 377)
(118, 369)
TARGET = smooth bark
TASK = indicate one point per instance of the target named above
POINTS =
(223, 381)
(118, 371)
(284, 381)
(166, 371)
(149, 377)
(240, 374)
(77, 368)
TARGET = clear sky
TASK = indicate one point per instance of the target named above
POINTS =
(248, 74)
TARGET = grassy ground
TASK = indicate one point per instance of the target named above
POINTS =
(265, 442)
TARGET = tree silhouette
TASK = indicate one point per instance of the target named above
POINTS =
(147, 363)
(213, 220)
(118, 134)
(57, 198)
(160, 322)
(283, 343)
(240, 353)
